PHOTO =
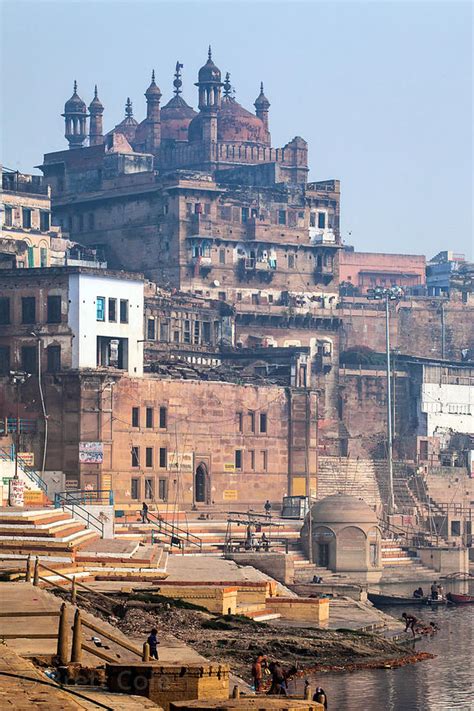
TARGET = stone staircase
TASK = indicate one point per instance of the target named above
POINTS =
(400, 565)
(356, 477)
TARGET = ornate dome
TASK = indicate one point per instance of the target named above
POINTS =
(342, 508)
(261, 102)
(209, 72)
(237, 125)
(153, 91)
(96, 104)
(176, 116)
(129, 125)
(75, 104)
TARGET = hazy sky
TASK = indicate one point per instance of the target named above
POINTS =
(382, 91)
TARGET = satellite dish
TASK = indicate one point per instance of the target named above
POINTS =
(216, 282)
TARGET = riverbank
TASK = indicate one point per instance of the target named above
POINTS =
(236, 640)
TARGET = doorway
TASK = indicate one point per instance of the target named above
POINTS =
(201, 484)
(323, 555)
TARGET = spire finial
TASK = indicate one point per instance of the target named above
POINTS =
(128, 108)
(261, 87)
(95, 92)
(209, 54)
(227, 86)
(75, 86)
(177, 80)
(152, 76)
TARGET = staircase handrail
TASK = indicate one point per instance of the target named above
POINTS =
(9, 456)
(251, 516)
(91, 520)
(412, 536)
(86, 496)
(174, 531)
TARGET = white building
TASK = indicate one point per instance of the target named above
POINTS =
(446, 400)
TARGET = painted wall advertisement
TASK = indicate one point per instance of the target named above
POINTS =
(28, 458)
(181, 461)
(91, 452)
(17, 492)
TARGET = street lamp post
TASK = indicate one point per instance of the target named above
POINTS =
(17, 378)
(394, 293)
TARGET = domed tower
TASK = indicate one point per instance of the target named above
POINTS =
(96, 134)
(75, 115)
(153, 116)
(209, 85)
(176, 115)
(261, 107)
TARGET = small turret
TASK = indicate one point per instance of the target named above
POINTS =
(75, 115)
(153, 116)
(261, 107)
(96, 135)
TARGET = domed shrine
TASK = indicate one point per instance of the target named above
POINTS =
(343, 535)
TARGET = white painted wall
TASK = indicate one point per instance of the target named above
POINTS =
(445, 406)
(83, 292)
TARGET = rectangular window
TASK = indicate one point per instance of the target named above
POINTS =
(8, 221)
(240, 421)
(322, 220)
(28, 309)
(43, 257)
(163, 489)
(197, 333)
(45, 221)
(176, 336)
(163, 458)
(29, 359)
(135, 417)
(149, 456)
(312, 219)
(91, 220)
(135, 456)
(252, 459)
(238, 459)
(149, 417)
(282, 217)
(206, 332)
(123, 310)
(164, 331)
(291, 261)
(150, 329)
(4, 310)
(264, 454)
(189, 208)
(245, 214)
(112, 310)
(221, 295)
(80, 223)
(163, 418)
(135, 489)
(4, 360)
(54, 358)
(31, 257)
(186, 331)
(263, 422)
(100, 308)
(54, 309)
(148, 488)
(26, 218)
(251, 421)
(222, 255)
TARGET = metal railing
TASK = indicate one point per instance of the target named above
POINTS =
(87, 496)
(8, 455)
(79, 511)
(178, 536)
(411, 537)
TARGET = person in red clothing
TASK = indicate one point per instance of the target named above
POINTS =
(258, 666)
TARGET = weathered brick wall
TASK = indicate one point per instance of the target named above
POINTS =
(415, 326)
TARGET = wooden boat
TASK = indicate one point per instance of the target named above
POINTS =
(460, 598)
(379, 599)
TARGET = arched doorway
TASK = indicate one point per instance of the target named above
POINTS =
(201, 484)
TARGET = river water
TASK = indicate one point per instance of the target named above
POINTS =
(445, 683)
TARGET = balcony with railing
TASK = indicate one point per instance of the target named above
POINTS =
(12, 425)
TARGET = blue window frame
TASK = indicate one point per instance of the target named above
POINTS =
(100, 307)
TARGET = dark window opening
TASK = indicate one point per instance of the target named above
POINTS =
(26, 215)
(163, 489)
(263, 422)
(251, 421)
(206, 332)
(54, 309)
(149, 457)
(282, 217)
(28, 309)
(135, 456)
(165, 331)
(240, 421)
(135, 417)
(53, 354)
(4, 360)
(100, 308)
(252, 459)
(264, 460)
(322, 220)
(151, 329)
(238, 459)
(112, 352)
(163, 458)
(135, 489)
(4, 310)
(123, 310)
(112, 310)
(245, 214)
(149, 417)
(29, 359)
(148, 488)
(291, 261)
(8, 221)
(45, 221)
(163, 418)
